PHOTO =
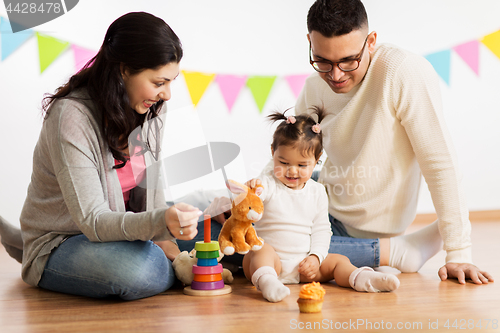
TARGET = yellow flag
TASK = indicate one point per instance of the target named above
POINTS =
(197, 83)
(492, 41)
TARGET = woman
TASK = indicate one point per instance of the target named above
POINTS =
(88, 229)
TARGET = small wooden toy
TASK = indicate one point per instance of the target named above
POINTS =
(207, 272)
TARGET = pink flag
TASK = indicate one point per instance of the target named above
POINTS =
(296, 83)
(469, 52)
(230, 86)
(82, 56)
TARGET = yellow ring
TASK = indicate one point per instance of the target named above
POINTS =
(202, 246)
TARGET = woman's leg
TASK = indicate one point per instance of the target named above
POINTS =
(11, 239)
(262, 267)
(129, 270)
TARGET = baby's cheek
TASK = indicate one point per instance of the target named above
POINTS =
(305, 173)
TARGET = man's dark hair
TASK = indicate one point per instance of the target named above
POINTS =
(336, 17)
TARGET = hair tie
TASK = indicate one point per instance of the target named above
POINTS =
(316, 128)
(290, 120)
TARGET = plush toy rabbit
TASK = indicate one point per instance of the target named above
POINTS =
(238, 234)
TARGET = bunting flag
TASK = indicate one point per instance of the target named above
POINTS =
(492, 41)
(49, 48)
(469, 52)
(441, 63)
(11, 41)
(197, 83)
(230, 86)
(296, 83)
(82, 56)
(260, 86)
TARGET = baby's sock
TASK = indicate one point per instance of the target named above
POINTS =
(366, 279)
(266, 280)
(410, 252)
(11, 239)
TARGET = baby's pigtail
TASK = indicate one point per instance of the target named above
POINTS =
(320, 112)
(276, 115)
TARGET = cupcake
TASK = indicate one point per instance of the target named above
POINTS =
(311, 297)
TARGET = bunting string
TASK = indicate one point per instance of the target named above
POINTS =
(50, 49)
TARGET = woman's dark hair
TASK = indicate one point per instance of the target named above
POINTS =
(336, 17)
(135, 42)
(299, 134)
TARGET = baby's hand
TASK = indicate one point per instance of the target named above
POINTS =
(252, 183)
(309, 267)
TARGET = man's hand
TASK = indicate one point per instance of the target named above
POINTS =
(464, 271)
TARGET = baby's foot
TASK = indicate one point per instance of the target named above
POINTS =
(266, 280)
(272, 289)
(366, 279)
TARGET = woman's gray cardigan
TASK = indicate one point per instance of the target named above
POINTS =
(74, 189)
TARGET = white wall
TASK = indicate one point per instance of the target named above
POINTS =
(262, 37)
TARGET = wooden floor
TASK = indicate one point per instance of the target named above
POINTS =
(421, 304)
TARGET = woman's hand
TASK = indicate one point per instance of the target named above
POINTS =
(182, 221)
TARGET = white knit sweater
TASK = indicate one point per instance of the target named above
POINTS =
(379, 138)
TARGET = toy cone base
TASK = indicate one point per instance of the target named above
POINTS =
(216, 292)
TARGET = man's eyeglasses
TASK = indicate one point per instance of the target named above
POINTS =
(326, 66)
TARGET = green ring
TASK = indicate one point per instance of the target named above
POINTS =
(207, 254)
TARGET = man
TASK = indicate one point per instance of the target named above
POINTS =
(385, 127)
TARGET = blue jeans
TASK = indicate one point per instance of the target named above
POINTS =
(361, 252)
(129, 270)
